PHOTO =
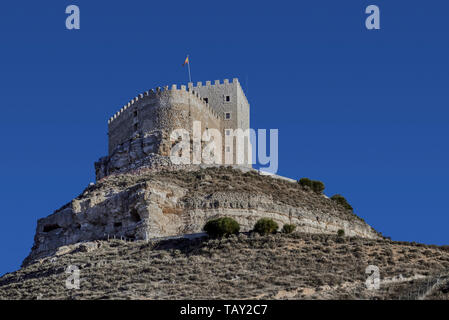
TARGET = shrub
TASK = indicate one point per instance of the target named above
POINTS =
(266, 226)
(338, 198)
(288, 228)
(305, 182)
(315, 185)
(221, 227)
(341, 233)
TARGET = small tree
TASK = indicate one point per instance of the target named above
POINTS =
(288, 228)
(305, 182)
(315, 185)
(221, 227)
(341, 233)
(266, 226)
(338, 198)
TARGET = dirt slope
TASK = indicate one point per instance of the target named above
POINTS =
(296, 266)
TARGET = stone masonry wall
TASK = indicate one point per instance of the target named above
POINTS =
(139, 133)
(228, 97)
(161, 110)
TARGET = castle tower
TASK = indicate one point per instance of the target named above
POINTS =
(229, 100)
(140, 132)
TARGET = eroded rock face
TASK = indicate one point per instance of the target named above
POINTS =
(137, 212)
(148, 150)
(152, 206)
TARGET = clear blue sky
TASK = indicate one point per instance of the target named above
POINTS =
(364, 111)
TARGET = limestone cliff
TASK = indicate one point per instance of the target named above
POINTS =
(148, 205)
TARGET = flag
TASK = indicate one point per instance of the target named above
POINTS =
(186, 61)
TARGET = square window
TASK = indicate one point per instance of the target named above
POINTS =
(227, 115)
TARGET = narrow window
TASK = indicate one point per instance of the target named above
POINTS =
(206, 100)
(135, 113)
(228, 98)
(135, 127)
(227, 115)
(228, 149)
(228, 132)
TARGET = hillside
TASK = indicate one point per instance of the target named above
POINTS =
(145, 205)
(248, 266)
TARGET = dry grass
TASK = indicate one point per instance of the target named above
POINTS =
(296, 266)
(210, 181)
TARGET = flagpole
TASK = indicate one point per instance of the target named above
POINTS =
(188, 66)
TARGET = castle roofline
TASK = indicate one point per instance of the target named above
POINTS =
(190, 86)
(209, 83)
(157, 91)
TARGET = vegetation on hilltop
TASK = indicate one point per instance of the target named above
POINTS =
(280, 266)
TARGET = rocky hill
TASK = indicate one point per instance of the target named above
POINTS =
(248, 266)
(112, 233)
(146, 205)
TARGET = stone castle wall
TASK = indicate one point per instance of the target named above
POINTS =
(139, 133)
(160, 110)
(226, 97)
(229, 99)
(139, 139)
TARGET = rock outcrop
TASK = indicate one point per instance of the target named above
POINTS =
(168, 203)
(147, 151)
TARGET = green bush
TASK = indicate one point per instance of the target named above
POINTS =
(288, 228)
(342, 201)
(315, 185)
(221, 227)
(266, 226)
(341, 233)
(305, 182)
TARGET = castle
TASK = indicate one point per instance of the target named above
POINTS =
(130, 201)
(139, 133)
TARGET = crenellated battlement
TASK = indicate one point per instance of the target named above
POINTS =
(208, 83)
(143, 125)
(153, 93)
(220, 86)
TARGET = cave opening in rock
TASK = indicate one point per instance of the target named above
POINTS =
(51, 227)
(135, 217)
